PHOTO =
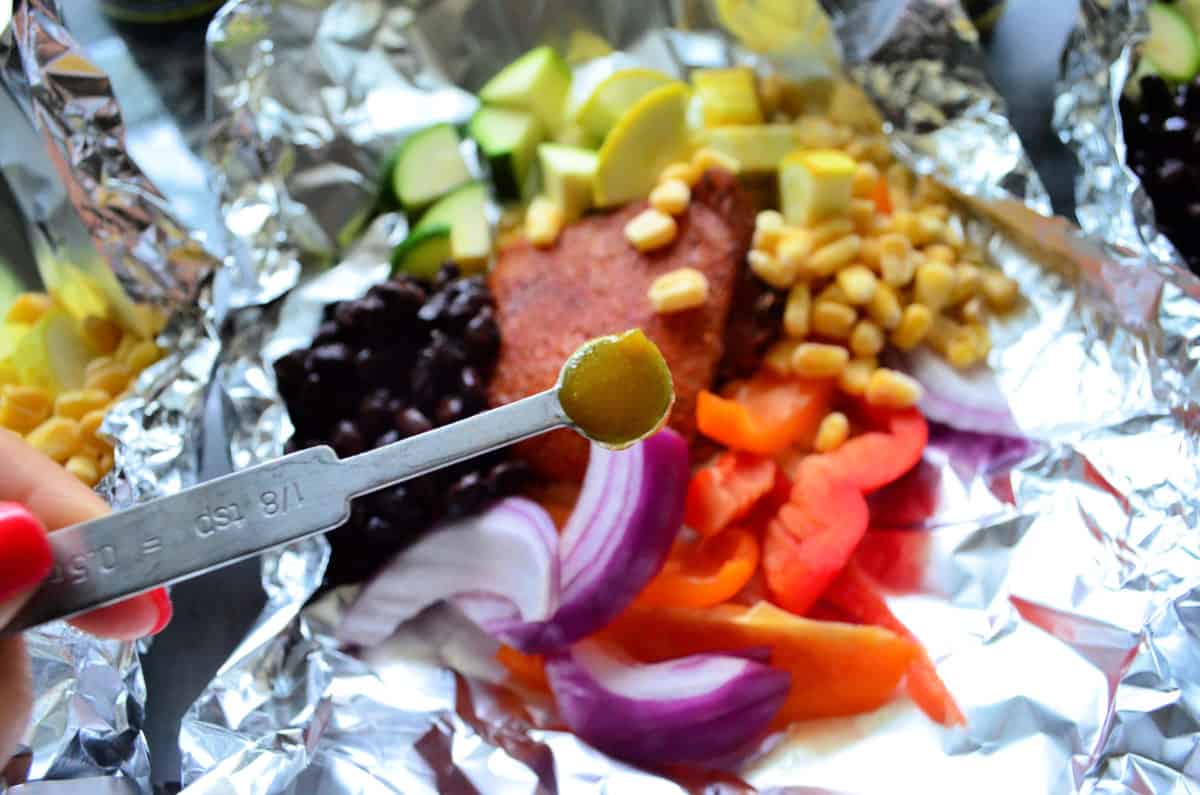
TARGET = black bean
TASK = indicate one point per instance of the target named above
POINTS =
(387, 437)
(328, 332)
(433, 312)
(423, 379)
(446, 274)
(373, 415)
(410, 422)
(482, 336)
(402, 505)
(466, 496)
(450, 409)
(290, 372)
(402, 297)
(379, 530)
(347, 439)
(333, 362)
(352, 316)
(508, 477)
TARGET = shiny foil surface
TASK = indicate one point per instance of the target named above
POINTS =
(1059, 582)
(93, 215)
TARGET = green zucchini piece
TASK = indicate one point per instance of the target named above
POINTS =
(568, 173)
(537, 82)
(428, 166)
(423, 252)
(1172, 44)
(508, 139)
(465, 212)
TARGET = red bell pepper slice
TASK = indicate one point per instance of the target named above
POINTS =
(528, 669)
(704, 573)
(858, 596)
(882, 197)
(813, 535)
(765, 414)
(874, 459)
(909, 501)
(726, 490)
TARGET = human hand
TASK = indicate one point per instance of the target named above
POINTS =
(37, 494)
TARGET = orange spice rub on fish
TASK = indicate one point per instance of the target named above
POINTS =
(593, 282)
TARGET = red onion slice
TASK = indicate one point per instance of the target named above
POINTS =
(967, 400)
(504, 562)
(694, 709)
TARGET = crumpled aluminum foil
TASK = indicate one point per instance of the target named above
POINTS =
(1057, 585)
(1097, 62)
(95, 218)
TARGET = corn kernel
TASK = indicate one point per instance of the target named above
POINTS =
(74, 404)
(940, 252)
(892, 389)
(939, 211)
(914, 325)
(101, 334)
(967, 280)
(142, 355)
(832, 432)
(89, 426)
(973, 309)
(827, 259)
(929, 191)
(112, 379)
(879, 151)
(682, 288)
(942, 332)
(58, 437)
(85, 468)
(863, 214)
(23, 408)
(706, 158)
(794, 249)
(687, 173)
(895, 260)
(544, 222)
(775, 271)
(768, 230)
(832, 292)
(818, 360)
(858, 283)
(899, 199)
(98, 364)
(857, 148)
(899, 176)
(885, 308)
(106, 464)
(796, 311)
(671, 196)
(999, 290)
(953, 233)
(869, 253)
(817, 132)
(856, 376)
(866, 339)
(778, 358)
(8, 373)
(866, 177)
(828, 231)
(650, 229)
(983, 338)
(833, 320)
(29, 308)
(961, 351)
(934, 285)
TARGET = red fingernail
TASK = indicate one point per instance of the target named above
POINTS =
(162, 602)
(25, 555)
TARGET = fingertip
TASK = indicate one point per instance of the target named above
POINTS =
(25, 554)
(138, 617)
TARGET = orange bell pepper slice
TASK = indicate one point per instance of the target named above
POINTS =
(726, 490)
(704, 573)
(857, 595)
(765, 414)
(837, 669)
(528, 669)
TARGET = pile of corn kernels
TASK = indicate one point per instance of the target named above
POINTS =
(66, 425)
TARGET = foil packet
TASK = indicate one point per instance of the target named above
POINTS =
(95, 223)
(1057, 581)
(1099, 59)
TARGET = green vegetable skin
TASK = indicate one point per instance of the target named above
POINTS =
(1172, 45)
(465, 212)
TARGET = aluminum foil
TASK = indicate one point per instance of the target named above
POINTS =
(1055, 585)
(1099, 58)
(95, 219)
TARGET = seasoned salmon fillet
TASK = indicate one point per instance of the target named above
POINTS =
(594, 282)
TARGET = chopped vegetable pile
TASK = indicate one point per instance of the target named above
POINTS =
(727, 575)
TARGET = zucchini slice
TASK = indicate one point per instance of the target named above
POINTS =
(537, 82)
(428, 166)
(1172, 45)
(465, 211)
(508, 139)
(423, 252)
